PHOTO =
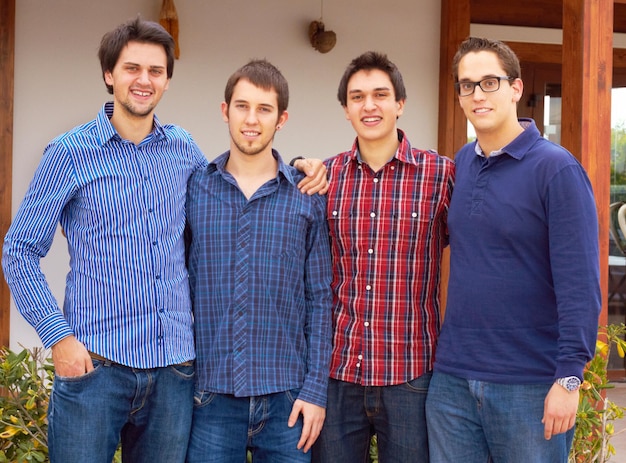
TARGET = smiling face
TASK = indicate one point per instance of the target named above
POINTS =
(252, 118)
(371, 106)
(492, 113)
(139, 79)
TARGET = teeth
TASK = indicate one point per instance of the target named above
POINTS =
(141, 93)
(251, 134)
(482, 110)
(370, 119)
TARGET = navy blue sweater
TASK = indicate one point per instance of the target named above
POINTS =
(524, 292)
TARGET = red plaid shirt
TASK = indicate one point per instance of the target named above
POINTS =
(388, 230)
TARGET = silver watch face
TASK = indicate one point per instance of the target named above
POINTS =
(571, 383)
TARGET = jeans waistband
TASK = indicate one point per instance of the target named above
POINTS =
(100, 358)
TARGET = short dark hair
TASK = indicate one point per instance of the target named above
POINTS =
(262, 74)
(508, 58)
(368, 61)
(134, 30)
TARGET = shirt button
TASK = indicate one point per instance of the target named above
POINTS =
(376, 180)
(335, 213)
(414, 214)
(161, 310)
(372, 214)
(154, 243)
(368, 287)
(366, 324)
(370, 251)
(358, 365)
(158, 277)
(360, 357)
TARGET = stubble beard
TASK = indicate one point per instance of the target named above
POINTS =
(133, 111)
(251, 150)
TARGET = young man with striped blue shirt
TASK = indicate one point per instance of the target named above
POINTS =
(123, 345)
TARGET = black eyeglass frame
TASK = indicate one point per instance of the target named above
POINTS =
(457, 85)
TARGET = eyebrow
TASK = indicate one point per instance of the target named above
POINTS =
(481, 78)
(377, 89)
(152, 66)
(265, 105)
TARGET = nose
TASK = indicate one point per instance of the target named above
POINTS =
(251, 118)
(144, 77)
(479, 93)
(369, 103)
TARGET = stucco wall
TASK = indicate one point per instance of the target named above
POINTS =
(58, 83)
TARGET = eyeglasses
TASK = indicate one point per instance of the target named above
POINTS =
(487, 85)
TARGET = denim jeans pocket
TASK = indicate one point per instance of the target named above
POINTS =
(292, 395)
(419, 384)
(97, 365)
(203, 398)
(185, 371)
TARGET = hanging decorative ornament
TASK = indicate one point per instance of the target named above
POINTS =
(321, 39)
(169, 20)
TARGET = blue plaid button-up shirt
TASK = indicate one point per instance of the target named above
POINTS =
(260, 276)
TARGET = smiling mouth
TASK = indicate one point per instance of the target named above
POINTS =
(140, 93)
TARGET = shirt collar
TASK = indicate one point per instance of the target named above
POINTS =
(219, 164)
(403, 153)
(106, 131)
(519, 146)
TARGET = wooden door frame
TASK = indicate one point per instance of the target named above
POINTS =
(587, 44)
(7, 67)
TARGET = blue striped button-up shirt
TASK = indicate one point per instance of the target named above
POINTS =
(260, 276)
(122, 208)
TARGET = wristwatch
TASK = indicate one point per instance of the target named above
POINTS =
(571, 383)
(293, 161)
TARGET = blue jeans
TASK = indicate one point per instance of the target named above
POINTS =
(225, 426)
(394, 413)
(150, 410)
(479, 422)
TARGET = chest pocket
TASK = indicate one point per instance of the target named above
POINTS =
(395, 228)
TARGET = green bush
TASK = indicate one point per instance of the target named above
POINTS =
(596, 413)
(25, 378)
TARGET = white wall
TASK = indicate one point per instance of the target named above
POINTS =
(58, 83)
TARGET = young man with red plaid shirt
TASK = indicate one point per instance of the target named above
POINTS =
(387, 208)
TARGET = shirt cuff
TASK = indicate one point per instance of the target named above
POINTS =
(52, 329)
(569, 369)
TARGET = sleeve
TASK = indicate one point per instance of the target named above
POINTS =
(29, 239)
(448, 186)
(574, 258)
(199, 159)
(318, 294)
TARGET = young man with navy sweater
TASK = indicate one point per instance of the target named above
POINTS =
(524, 294)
